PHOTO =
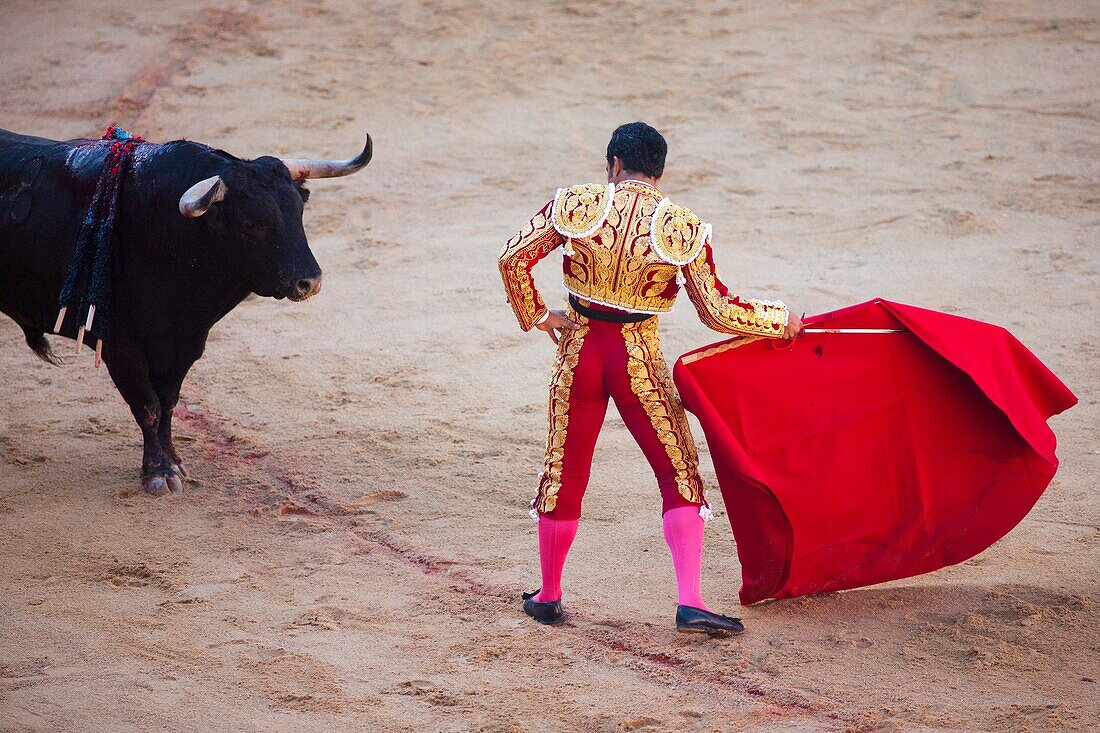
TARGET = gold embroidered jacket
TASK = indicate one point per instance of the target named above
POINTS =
(628, 247)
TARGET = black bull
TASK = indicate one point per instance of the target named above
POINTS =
(197, 231)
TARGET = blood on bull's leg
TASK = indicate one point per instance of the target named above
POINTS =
(155, 479)
(130, 372)
(159, 473)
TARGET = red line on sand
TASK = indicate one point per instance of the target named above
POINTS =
(197, 29)
(225, 448)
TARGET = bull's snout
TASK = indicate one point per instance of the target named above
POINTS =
(306, 287)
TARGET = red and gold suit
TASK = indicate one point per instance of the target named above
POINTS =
(627, 249)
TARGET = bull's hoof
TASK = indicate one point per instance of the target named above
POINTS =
(164, 481)
(179, 470)
(155, 485)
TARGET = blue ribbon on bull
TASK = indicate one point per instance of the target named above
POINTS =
(88, 281)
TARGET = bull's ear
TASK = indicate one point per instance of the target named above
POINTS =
(196, 200)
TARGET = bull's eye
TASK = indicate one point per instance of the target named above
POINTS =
(247, 223)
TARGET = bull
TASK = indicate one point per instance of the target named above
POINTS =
(197, 231)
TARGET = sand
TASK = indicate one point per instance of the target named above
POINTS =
(349, 553)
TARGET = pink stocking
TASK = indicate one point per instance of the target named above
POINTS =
(684, 535)
(555, 539)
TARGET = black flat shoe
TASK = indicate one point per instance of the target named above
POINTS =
(690, 619)
(549, 614)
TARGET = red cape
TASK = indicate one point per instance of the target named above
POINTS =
(848, 460)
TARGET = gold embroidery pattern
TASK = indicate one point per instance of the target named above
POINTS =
(522, 251)
(579, 210)
(561, 381)
(677, 235)
(651, 381)
(729, 313)
(616, 265)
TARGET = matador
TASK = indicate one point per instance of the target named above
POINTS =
(628, 250)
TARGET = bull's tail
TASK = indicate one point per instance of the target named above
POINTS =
(39, 345)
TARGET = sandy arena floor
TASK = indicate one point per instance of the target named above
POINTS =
(350, 551)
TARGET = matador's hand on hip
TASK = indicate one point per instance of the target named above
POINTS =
(556, 321)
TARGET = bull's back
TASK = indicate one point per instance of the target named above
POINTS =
(41, 204)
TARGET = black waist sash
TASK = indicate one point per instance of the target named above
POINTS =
(609, 316)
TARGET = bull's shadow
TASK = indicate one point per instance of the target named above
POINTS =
(181, 234)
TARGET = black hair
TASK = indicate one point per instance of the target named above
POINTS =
(640, 147)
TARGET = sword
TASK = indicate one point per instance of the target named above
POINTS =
(745, 340)
(855, 330)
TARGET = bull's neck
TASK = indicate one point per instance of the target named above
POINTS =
(216, 287)
(179, 279)
(173, 266)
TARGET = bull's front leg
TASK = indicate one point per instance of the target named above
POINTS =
(168, 391)
(130, 372)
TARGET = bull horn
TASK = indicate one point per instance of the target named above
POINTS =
(303, 168)
(196, 200)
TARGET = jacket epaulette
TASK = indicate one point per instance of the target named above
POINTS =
(676, 234)
(579, 211)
